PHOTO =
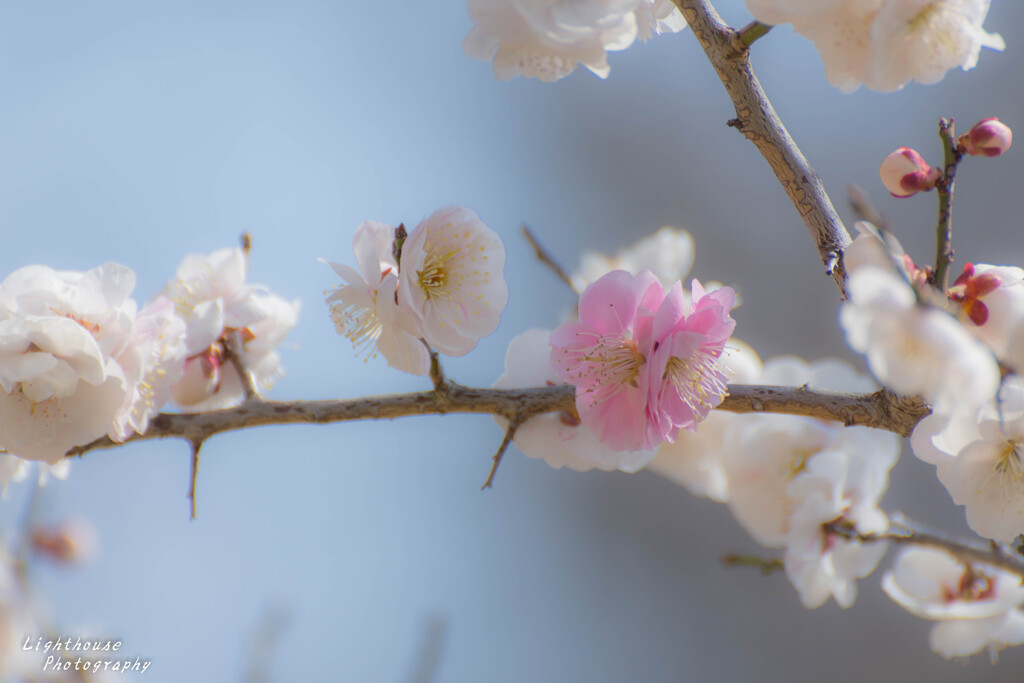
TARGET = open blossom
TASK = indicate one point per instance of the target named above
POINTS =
(839, 487)
(987, 475)
(989, 301)
(764, 454)
(687, 373)
(452, 279)
(644, 364)
(547, 39)
(915, 349)
(560, 439)
(885, 44)
(603, 356)
(696, 459)
(210, 294)
(976, 606)
(365, 309)
(61, 384)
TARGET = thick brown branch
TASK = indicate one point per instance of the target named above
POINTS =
(759, 123)
(881, 410)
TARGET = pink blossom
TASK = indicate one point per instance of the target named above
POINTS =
(605, 353)
(687, 376)
(904, 173)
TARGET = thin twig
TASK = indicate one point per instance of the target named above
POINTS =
(951, 157)
(547, 259)
(880, 410)
(513, 425)
(195, 445)
(758, 122)
(436, 369)
(964, 551)
(765, 565)
(862, 207)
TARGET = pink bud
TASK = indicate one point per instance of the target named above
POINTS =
(988, 138)
(905, 173)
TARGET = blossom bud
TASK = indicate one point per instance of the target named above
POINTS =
(73, 541)
(988, 138)
(904, 173)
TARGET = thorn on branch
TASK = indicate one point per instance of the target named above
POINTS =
(547, 259)
(195, 445)
(765, 565)
(746, 36)
(735, 123)
(245, 241)
(513, 425)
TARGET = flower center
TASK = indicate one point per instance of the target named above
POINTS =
(436, 273)
(698, 379)
(1008, 466)
(361, 325)
(607, 366)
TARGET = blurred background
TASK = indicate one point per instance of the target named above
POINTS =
(140, 132)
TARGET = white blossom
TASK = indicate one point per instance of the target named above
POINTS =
(915, 349)
(211, 296)
(975, 607)
(452, 279)
(989, 302)
(668, 253)
(987, 475)
(61, 384)
(885, 44)
(546, 39)
(365, 309)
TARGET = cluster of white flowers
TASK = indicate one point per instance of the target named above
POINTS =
(547, 39)
(443, 284)
(885, 44)
(79, 359)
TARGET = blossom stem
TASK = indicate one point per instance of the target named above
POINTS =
(944, 233)
(236, 349)
(880, 410)
(753, 31)
(757, 120)
(765, 565)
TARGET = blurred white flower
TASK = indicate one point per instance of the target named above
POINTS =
(838, 487)
(546, 39)
(695, 460)
(452, 279)
(915, 349)
(365, 309)
(61, 384)
(560, 439)
(764, 454)
(976, 605)
(987, 475)
(210, 294)
(989, 302)
(668, 253)
(885, 44)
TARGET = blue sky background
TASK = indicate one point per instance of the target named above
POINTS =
(139, 132)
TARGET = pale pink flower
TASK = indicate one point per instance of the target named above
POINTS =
(452, 279)
(365, 309)
(976, 606)
(605, 353)
(210, 294)
(560, 439)
(686, 377)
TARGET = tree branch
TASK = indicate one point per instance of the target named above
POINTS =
(880, 410)
(760, 124)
